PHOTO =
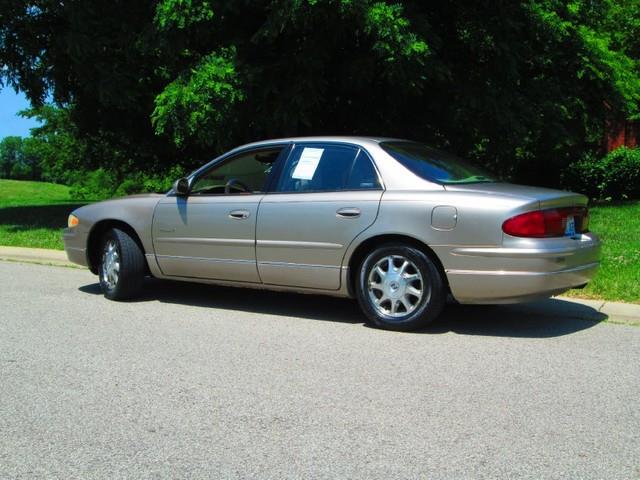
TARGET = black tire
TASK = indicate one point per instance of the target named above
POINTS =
(423, 310)
(131, 271)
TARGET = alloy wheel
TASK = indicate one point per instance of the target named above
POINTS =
(395, 286)
(110, 264)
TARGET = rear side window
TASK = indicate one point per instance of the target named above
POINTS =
(435, 165)
(363, 176)
(326, 168)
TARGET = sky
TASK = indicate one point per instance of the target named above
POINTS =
(10, 123)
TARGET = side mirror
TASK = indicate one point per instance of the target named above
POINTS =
(182, 187)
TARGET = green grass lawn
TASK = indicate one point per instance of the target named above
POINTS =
(33, 214)
(618, 226)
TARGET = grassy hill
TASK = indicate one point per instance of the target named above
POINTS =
(32, 214)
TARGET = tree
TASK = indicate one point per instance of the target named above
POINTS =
(11, 157)
(20, 158)
(56, 145)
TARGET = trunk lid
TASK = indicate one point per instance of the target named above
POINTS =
(546, 197)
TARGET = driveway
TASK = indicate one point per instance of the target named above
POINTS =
(199, 381)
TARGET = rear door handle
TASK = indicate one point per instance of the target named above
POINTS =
(239, 214)
(348, 212)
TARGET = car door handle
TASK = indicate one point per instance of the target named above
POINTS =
(349, 212)
(239, 214)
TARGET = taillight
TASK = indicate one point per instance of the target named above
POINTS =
(553, 222)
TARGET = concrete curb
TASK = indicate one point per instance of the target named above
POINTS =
(36, 255)
(618, 312)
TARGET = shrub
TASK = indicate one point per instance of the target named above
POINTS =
(615, 176)
(96, 185)
(141, 182)
(101, 184)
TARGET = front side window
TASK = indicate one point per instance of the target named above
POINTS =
(325, 168)
(246, 173)
(435, 165)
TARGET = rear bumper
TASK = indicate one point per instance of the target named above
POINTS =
(537, 269)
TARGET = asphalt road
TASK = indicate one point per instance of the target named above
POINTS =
(208, 382)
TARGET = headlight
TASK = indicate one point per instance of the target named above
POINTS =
(72, 221)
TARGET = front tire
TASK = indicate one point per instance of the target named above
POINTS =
(122, 266)
(400, 288)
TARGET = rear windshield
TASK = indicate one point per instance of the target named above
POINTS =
(435, 165)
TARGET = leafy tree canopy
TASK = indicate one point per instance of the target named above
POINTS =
(519, 86)
(11, 157)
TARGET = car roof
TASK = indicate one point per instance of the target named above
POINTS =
(351, 139)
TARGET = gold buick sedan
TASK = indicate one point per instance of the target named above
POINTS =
(396, 224)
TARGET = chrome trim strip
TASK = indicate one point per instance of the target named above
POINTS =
(521, 273)
(272, 197)
(522, 252)
(206, 241)
(203, 259)
(296, 265)
(69, 235)
(294, 244)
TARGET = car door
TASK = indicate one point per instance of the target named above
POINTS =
(325, 196)
(211, 232)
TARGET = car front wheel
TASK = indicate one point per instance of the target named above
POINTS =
(400, 288)
(122, 266)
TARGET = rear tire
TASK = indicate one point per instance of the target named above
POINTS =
(122, 266)
(400, 288)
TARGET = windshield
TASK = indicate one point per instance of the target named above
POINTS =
(435, 165)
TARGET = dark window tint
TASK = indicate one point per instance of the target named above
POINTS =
(363, 176)
(318, 168)
(435, 165)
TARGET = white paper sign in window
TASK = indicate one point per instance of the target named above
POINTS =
(307, 164)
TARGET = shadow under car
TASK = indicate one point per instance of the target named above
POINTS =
(541, 319)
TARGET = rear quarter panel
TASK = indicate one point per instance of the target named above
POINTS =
(478, 219)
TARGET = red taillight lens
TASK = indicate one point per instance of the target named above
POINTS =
(530, 224)
(547, 223)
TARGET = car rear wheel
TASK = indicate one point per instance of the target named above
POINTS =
(400, 288)
(122, 268)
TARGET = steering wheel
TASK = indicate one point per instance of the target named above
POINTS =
(235, 184)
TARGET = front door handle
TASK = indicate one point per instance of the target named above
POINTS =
(349, 212)
(239, 214)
